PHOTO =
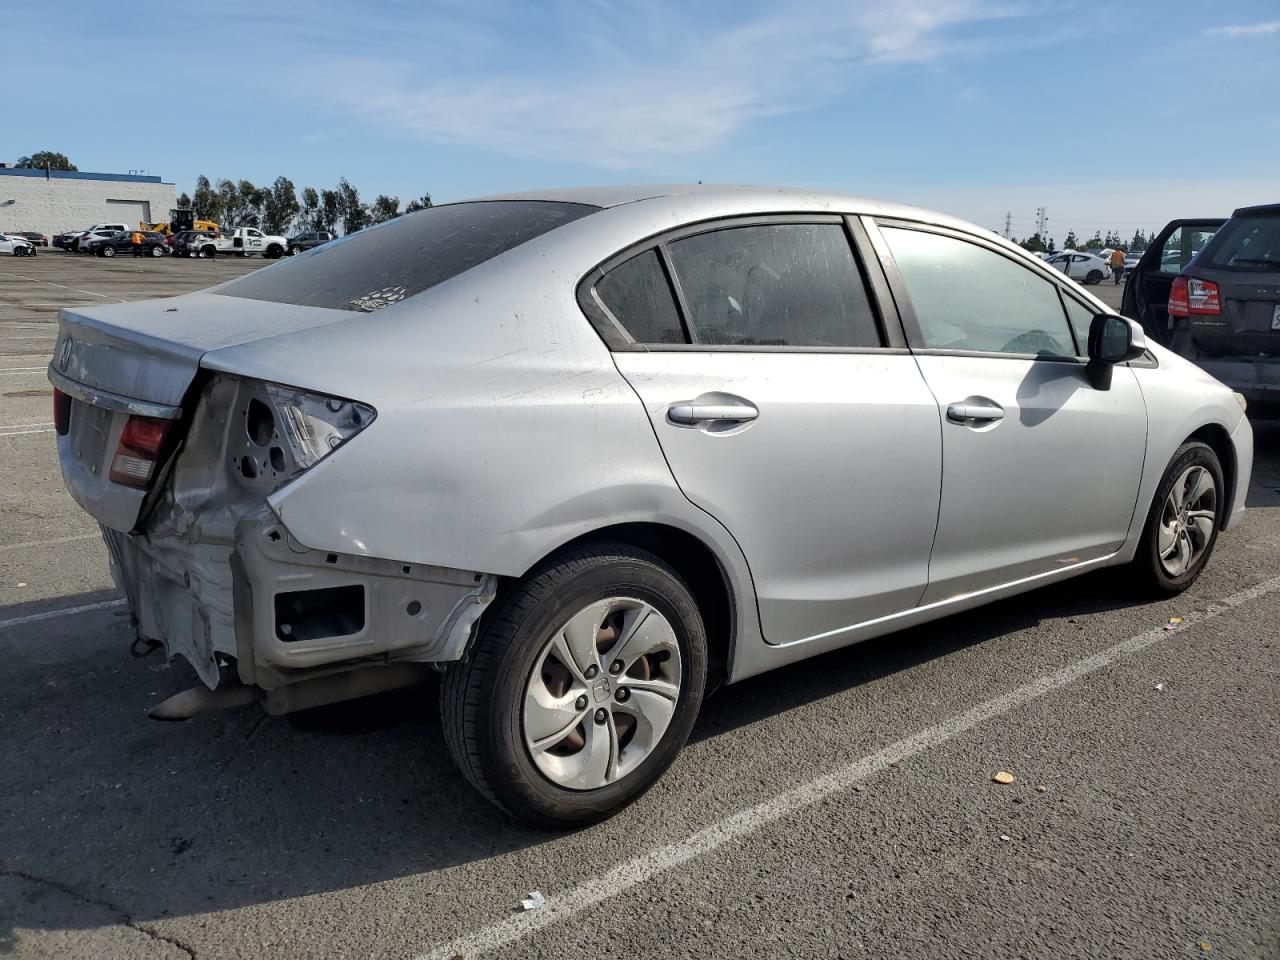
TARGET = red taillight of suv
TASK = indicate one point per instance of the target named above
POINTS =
(61, 412)
(1191, 297)
(138, 451)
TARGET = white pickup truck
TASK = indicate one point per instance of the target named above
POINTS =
(243, 241)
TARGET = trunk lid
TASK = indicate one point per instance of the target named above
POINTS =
(1250, 311)
(140, 359)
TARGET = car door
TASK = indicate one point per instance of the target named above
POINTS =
(1040, 469)
(786, 409)
(1146, 294)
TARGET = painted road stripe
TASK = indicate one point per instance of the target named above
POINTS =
(42, 543)
(645, 867)
(24, 433)
(65, 612)
(23, 370)
(62, 285)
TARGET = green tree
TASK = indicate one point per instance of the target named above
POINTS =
(329, 212)
(280, 206)
(1139, 241)
(422, 203)
(384, 208)
(1071, 243)
(1095, 242)
(355, 216)
(184, 202)
(205, 201)
(1051, 248)
(1033, 243)
(46, 158)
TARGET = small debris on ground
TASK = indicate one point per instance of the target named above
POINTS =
(533, 901)
(1174, 623)
(1158, 686)
(22, 583)
(1042, 789)
(1206, 946)
(1003, 776)
(1005, 837)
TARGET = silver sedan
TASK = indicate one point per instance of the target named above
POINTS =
(591, 453)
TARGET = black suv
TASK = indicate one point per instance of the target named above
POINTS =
(121, 241)
(1210, 291)
(308, 241)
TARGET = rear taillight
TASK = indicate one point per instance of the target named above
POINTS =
(1190, 297)
(138, 451)
(61, 412)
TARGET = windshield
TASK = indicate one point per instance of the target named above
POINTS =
(1247, 243)
(403, 257)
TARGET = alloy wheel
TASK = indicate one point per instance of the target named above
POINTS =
(1186, 522)
(602, 693)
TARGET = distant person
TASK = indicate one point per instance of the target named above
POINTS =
(136, 240)
(1117, 265)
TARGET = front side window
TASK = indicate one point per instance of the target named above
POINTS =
(1181, 245)
(967, 297)
(781, 284)
(402, 257)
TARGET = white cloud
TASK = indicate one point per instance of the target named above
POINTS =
(638, 81)
(1247, 30)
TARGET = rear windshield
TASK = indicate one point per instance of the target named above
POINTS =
(1247, 243)
(405, 256)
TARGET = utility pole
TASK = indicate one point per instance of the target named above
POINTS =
(1008, 223)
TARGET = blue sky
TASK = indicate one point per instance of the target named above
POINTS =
(1109, 114)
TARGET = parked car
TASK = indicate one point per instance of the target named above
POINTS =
(34, 237)
(191, 243)
(1146, 294)
(308, 241)
(98, 231)
(121, 241)
(1131, 261)
(64, 240)
(1078, 265)
(1224, 307)
(601, 449)
(16, 245)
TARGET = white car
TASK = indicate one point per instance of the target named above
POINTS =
(18, 246)
(98, 231)
(1078, 265)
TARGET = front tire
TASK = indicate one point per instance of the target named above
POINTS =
(1183, 522)
(581, 689)
(157, 251)
(107, 251)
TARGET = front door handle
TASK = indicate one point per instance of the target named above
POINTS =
(974, 411)
(693, 412)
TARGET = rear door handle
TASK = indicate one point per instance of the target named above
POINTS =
(693, 412)
(975, 411)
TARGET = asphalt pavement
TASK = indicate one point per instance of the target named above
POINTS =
(842, 807)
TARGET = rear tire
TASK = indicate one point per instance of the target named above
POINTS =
(1182, 524)
(1094, 277)
(513, 676)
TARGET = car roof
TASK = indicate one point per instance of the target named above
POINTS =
(784, 199)
(1263, 210)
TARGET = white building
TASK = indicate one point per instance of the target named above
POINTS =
(56, 201)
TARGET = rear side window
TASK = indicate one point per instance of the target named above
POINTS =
(781, 284)
(404, 256)
(1181, 246)
(1248, 243)
(637, 294)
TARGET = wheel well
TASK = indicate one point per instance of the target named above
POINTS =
(1216, 436)
(697, 566)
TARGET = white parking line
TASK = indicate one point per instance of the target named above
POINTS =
(647, 866)
(64, 612)
(4, 370)
(19, 276)
(41, 543)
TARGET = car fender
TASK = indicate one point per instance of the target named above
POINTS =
(1182, 399)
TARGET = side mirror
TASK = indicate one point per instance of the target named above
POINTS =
(1112, 339)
